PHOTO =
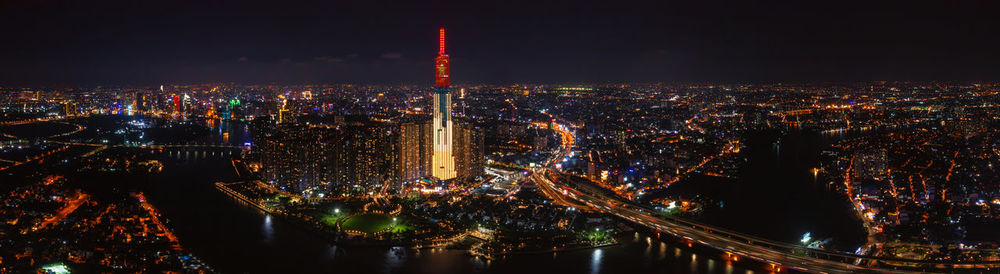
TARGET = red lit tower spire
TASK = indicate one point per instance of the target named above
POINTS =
(441, 64)
(441, 42)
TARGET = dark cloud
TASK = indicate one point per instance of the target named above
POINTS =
(329, 59)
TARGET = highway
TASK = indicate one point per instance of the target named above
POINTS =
(551, 190)
(713, 238)
(778, 255)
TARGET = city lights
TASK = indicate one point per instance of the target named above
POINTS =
(647, 137)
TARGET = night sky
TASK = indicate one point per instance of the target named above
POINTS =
(497, 42)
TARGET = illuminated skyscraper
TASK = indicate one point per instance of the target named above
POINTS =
(443, 161)
(439, 147)
(140, 101)
(283, 110)
(468, 150)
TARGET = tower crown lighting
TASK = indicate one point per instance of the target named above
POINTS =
(441, 42)
(441, 65)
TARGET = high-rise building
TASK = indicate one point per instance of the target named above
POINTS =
(359, 156)
(469, 151)
(370, 154)
(283, 111)
(177, 103)
(230, 109)
(275, 150)
(443, 161)
(70, 108)
(140, 101)
(871, 165)
(415, 150)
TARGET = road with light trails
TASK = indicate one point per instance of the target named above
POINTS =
(550, 190)
(740, 247)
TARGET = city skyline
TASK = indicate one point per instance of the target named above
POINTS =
(862, 176)
(556, 137)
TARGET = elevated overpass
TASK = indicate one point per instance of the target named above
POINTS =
(507, 175)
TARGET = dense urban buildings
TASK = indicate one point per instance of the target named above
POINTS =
(912, 161)
(349, 153)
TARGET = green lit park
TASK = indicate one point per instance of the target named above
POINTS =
(341, 217)
(598, 236)
(327, 218)
(368, 223)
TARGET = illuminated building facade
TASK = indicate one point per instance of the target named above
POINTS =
(70, 108)
(469, 148)
(358, 156)
(230, 109)
(140, 101)
(415, 150)
(443, 160)
(871, 165)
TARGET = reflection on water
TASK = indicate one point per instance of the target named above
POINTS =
(394, 257)
(595, 261)
(333, 252)
(237, 239)
(268, 230)
(694, 263)
(778, 184)
(649, 247)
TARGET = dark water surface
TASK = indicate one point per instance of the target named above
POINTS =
(237, 239)
(777, 196)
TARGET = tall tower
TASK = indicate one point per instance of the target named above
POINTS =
(443, 161)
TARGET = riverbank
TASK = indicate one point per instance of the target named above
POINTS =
(334, 234)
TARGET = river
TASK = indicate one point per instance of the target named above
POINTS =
(237, 239)
(776, 195)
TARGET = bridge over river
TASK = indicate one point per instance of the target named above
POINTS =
(778, 254)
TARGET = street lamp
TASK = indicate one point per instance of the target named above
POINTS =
(336, 211)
